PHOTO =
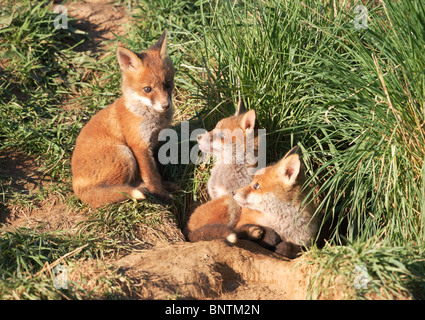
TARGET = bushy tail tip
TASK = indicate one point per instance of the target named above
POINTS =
(232, 238)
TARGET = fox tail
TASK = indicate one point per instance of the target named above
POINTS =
(211, 232)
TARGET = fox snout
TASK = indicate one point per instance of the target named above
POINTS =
(160, 105)
(161, 102)
(240, 197)
(247, 197)
(204, 142)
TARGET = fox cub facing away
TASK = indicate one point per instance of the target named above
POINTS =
(229, 143)
(114, 150)
(274, 209)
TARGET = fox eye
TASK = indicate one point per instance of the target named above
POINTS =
(256, 186)
(147, 89)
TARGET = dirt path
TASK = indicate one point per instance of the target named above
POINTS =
(100, 19)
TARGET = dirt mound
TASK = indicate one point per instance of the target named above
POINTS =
(216, 270)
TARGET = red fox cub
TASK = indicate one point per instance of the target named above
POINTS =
(114, 150)
(228, 144)
(274, 210)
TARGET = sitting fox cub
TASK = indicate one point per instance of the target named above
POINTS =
(228, 144)
(273, 209)
(114, 150)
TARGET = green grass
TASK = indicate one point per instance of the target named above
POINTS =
(316, 81)
(352, 99)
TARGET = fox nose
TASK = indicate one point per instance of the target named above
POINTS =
(165, 106)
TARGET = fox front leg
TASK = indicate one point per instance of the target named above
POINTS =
(152, 182)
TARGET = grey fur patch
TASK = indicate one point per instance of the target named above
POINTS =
(153, 122)
(226, 178)
(229, 175)
(287, 220)
(234, 212)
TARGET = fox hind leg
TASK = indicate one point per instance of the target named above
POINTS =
(264, 236)
(250, 232)
(288, 249)
(110, 180)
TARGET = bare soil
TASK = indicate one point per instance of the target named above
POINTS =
(100, 19)
(215, 270)
(169, 267)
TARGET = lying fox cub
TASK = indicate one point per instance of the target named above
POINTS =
(234, 145)
(274, 210)
(114, 150)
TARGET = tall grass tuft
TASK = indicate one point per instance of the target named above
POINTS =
(370, 126)
(351, 98)
(40, 68)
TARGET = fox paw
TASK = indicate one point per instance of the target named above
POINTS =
(163, 198)
(255, 232)
(251, 232)
(170, 186)
(288, 250)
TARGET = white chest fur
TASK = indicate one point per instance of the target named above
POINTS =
(152, 121)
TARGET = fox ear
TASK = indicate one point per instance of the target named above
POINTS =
(294, 150)
(161, 44)
(241, 108)
(127, 59)
(249, 120)
(290, 166)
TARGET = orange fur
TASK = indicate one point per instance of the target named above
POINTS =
(249, 216)
(219, 210)
(229, 142)
(222, 211)
(275, 199)
(114, 150)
